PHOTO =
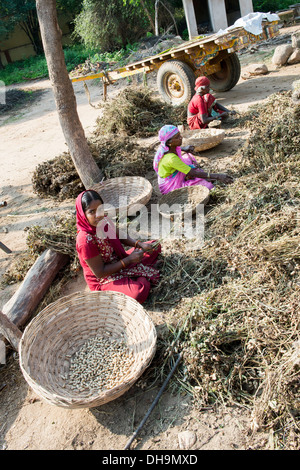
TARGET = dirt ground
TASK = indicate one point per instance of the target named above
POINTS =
(30, 137)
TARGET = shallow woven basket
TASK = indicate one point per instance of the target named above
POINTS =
(203, 139)
(183, 199)
(125, 192)
(59, 330)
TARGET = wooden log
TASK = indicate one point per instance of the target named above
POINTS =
(10, 331)
(37, 281)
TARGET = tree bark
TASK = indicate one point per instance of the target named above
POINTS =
(156, 18)
(10, 331)
(36, 283)
(84, 162)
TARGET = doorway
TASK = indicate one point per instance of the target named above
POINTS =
(233, 11)
(202, 16)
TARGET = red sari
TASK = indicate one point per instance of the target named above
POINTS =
(134, 280)
(198, 106)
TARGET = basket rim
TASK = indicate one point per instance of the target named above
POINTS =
(209, 130)
(72, 399)
(187, 189)
(126, 179)
(129, 181)
(165, 197)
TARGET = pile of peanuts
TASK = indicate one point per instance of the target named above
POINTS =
(100, 364)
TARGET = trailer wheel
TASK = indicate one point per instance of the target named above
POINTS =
(175, 82)
(228, 76)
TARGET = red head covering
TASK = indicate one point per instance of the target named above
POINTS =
(201, 81)
(105, 229)
(81, 220)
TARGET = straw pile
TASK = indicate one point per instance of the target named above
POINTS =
(136, 112)
(239, 318)
(233, 306)
(116, 157)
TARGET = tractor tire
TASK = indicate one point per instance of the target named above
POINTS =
(175, 82)
(228, 76)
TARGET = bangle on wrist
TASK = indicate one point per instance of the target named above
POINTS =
(122, 263)
(136, 243)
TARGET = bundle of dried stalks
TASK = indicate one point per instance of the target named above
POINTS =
(115, 156)
(136, 112)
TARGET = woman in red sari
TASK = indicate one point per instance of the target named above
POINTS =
(106, 265)
(203, 107)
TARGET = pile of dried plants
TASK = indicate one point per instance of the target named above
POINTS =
(233, 305)
(240, 338)
(136, 112)
(115, 156)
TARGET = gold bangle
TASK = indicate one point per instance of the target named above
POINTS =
(122, 263)
(135, 245)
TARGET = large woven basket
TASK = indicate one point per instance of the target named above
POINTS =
(125, 192)
(183, 201)
(59, 330)
(203, 139)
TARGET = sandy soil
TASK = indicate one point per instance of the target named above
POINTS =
(27, 422)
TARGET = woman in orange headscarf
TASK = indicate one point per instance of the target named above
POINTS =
(203, 107)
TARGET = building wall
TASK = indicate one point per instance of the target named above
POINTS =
(19, 47)
(219, 14)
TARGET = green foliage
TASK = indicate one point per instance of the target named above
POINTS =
(36, 67)
(11, 12)
(270, 5)
(110, 25)
(72, 7)
(23, 70)
(115, 56)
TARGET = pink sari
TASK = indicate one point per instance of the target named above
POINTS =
(177, 179)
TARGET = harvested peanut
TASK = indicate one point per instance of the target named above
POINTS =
(100, 364)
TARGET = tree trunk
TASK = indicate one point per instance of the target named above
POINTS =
(84, 162)
(149, 16)
(172, 16)
(156, 18)
(30, 26)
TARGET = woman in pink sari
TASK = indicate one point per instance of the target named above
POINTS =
(203, 107)
(176, 169)
(106, 265)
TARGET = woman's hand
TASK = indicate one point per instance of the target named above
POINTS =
(188, 148)
(146, 246)
(224, 178)
(136, 256)
(224, 115)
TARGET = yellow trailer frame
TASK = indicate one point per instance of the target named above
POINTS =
(204, 56)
